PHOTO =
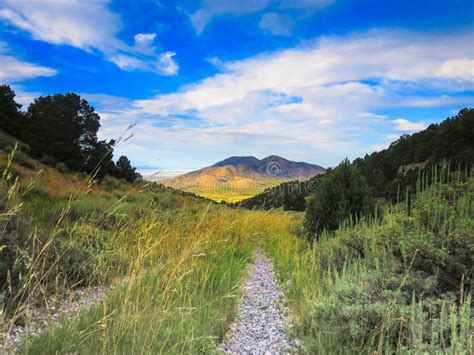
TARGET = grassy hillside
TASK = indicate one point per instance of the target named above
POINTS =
(399, 281)
(63, 231)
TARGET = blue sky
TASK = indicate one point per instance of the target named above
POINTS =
(311, 80)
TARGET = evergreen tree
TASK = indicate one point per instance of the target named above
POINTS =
(342, 193)
(11, 118)
(64, 127)
(124, 169)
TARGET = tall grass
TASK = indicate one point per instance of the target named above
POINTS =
(400, 283)
(179, 264)
(181, 289)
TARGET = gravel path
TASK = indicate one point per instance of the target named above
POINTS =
(39, 319)
(263, 322)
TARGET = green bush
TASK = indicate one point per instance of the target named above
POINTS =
(48, 160)
(7, 143)
(22, 159)
(342, 194)
(62, 168)
(110, 184)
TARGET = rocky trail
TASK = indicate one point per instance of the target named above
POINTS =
(263, 322)
(39, 319)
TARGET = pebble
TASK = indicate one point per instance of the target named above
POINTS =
(39, 319)
(263, 322)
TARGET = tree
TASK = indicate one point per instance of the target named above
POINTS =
(342, 193)
(99, 159)
(64, 127)
(124, 169)
(11, 118)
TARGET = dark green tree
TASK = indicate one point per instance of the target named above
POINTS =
(342, 193)
(99, 159)
(125, 170)
(11, 118)
(64, 127)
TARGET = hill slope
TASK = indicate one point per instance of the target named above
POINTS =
(391, 171)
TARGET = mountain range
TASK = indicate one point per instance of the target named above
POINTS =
(246, 171)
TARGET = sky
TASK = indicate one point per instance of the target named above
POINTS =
(202, 80)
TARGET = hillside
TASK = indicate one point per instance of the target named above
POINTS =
(391, 171)
(243, 176)
(172, 265)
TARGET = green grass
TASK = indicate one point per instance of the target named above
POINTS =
(181, 262)
(396, 285)
(183, 286)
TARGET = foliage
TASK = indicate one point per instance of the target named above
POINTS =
(60, 128)
(7, 143)
(341, 194)
(165, 245)
(124, 169)
(390, 170)
(399, 284)
(291, 196)
(11, 119)
(62, 168)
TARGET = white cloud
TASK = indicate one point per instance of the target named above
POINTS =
(84, 25)
(166, 64)
(163, 63)
(88, 25)
(318, 102)
(13, 69)
(144, 42)
(211, 8)
(404, 125)
(276, 24)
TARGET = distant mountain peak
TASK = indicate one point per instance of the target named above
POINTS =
(237, 160)
(247, 170)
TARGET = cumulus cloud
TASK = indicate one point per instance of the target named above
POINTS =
(404, 125)
(88, 25)
(324, 97)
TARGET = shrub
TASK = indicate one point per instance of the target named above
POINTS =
(37, 191)
(22, 159)
(342, 194)
(48, 160)
(110, 184)
(62, 168)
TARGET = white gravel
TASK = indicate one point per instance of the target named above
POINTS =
(39, 319)
(263, 322)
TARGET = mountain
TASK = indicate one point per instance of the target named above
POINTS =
(246, 172)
